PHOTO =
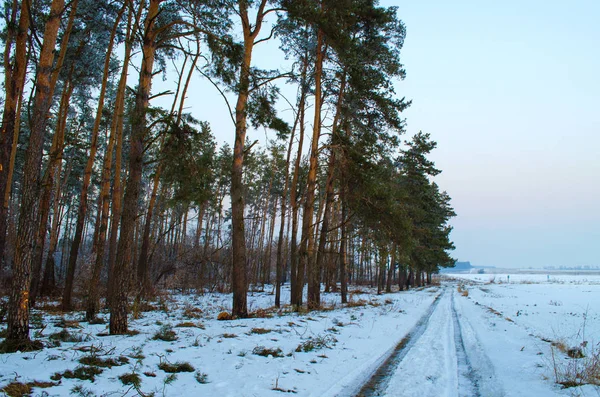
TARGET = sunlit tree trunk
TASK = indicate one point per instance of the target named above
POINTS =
(14, 76)
(238, 239)
(18, 311)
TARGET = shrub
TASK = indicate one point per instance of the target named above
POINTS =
(132, 379)
(165, 333)
(581, 367)
(66, 336)
(317, 343)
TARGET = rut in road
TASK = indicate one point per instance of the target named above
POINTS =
(378, 383)
(466, 382)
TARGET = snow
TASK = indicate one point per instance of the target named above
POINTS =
(493, 342)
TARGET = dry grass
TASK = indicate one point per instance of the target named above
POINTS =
(266, 352)
(263, 313)
(224, 316)
(18, 389)
(357, 303)
(580, 368)
(192, 312)
(177, 367)
(260, 331)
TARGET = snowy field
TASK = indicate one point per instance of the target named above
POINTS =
(471, 336)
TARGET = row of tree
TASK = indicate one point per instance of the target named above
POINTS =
(106, 195)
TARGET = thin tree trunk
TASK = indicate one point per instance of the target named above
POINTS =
(296, 280)
(14, 81)
(343, 248)
(267, 260)
(123, 264)
(306, 247)
(390, 276)
(117, 191)
(279, 262)
(87, 175)
(93, 300)
(48, 183)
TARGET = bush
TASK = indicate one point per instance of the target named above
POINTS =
(580, 368)
(66, 336)
(132, 379)
(320, 342)
(166, 334)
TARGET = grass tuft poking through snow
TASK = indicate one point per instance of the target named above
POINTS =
(179, 366)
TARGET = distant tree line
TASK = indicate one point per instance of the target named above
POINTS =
(107, 196)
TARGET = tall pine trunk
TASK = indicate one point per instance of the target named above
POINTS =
(14, 81)
(123, 265)
(18, 309)
(306, 247)
(238, 238)
(87, 175)
(48, 184)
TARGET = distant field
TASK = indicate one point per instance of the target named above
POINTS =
(538, 277)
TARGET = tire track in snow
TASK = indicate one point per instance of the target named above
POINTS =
(472, 375)
(468, 382)
(378, 383)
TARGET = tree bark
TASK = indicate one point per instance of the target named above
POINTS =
(238, 239)
(48, 183)
(297, 281)
(14, 76)
(123, 265)
(279, 261)
(87, 175)
(93, 300)
(306, 247)
(18, 311)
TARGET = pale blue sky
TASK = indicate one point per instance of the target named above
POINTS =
(511, 92)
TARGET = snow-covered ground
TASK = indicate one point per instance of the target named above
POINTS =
(493, 340)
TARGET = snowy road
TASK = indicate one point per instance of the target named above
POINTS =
(436, 359)
(461, 348)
